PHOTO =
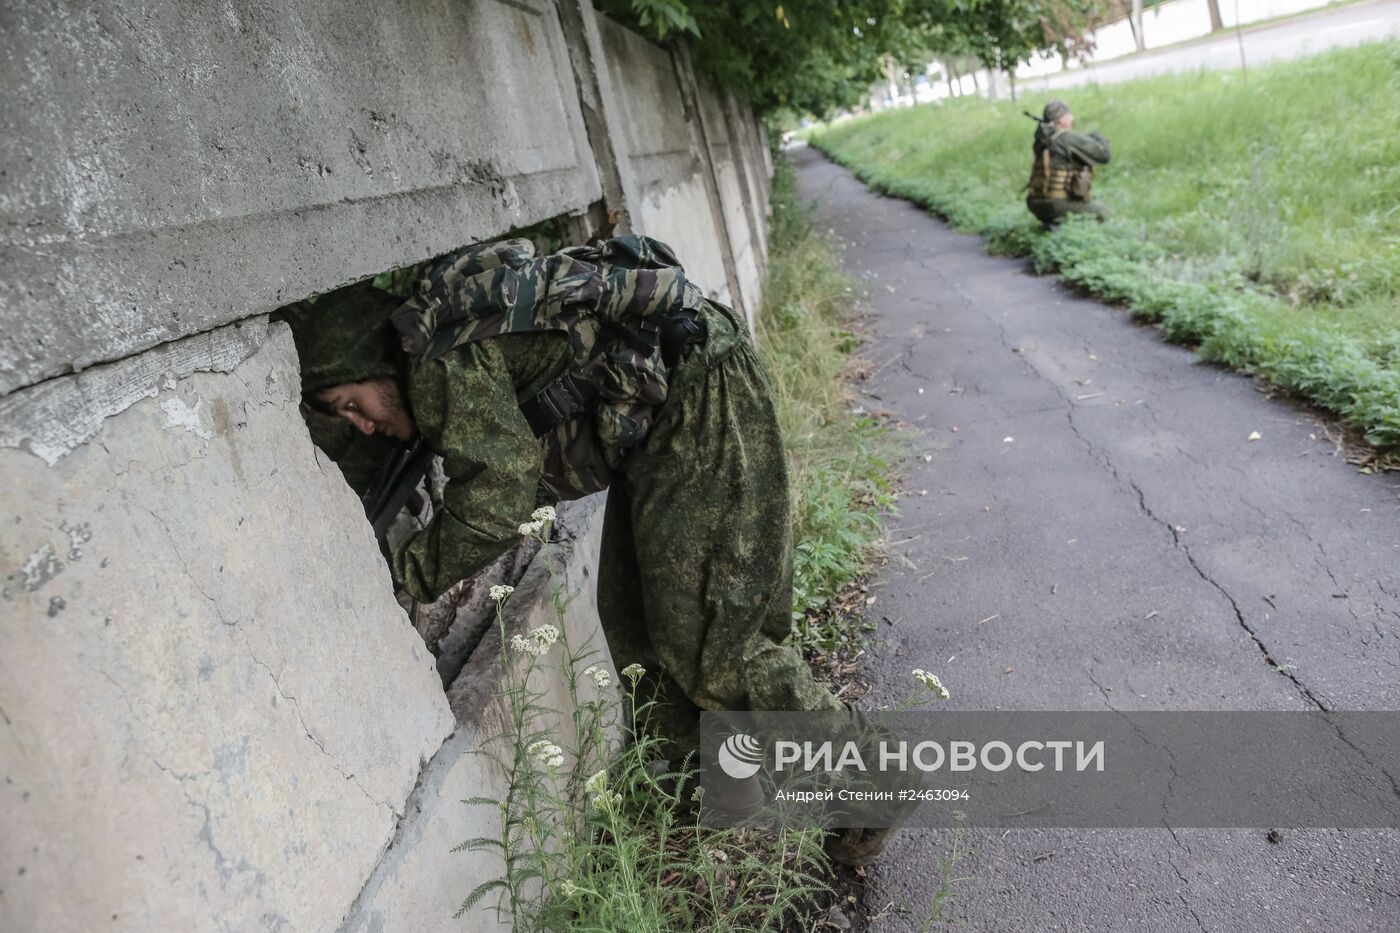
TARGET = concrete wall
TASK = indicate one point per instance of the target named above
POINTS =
(211, 707)
(213, 713)
(668, 159)
(419, 884)
(175, 165)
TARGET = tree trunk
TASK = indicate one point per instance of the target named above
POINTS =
(948, 73)
(975, 87)
(1135, 21)
(1216, 23)
(1012, 76)
(889, 76)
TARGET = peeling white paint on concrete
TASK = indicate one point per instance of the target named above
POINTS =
(41, 566)
(78, 535)
(53, 418)
(180, 415)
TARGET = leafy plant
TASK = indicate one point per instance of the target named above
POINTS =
(816, 55)
(593, 835)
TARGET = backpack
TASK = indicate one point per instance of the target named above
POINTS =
(1074, 183)
(627, 310)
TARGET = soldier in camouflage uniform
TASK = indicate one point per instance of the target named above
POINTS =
(695, 580)
(541, 380)
(1062, 170)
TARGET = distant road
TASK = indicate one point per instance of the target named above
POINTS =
(1293, 38)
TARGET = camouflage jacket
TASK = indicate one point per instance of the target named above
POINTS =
(495, 329)
(464, 405)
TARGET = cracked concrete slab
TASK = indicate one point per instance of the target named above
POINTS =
(213, 709)
(170, 173)
(1100, 533)
(421, 882)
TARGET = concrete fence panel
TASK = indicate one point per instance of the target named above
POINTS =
(214, 714)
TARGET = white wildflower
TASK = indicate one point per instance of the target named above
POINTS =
(718, 855)
(500, 592)
(696, 794)
(537, 642)
(569, 889)
(633, 672)
(931, 682)
(597, 787)
(601, 678)
(544, 513)
(530, 528)
(546, 753)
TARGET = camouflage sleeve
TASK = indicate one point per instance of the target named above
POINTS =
(1087, 147)
(465, 406)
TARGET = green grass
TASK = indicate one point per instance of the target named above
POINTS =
(838, 462)
(590, 835)
(1257, 220)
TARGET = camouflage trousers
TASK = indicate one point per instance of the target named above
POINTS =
(695, 578)
(1050, 211)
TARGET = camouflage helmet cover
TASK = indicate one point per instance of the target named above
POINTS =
(346, 337)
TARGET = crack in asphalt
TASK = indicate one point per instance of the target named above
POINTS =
(1107, 463)
(948, 263)
(1104, 460)
(1101, 457)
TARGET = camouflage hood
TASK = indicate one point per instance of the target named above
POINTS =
(346, 337)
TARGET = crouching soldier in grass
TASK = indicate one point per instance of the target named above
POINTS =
(541, 380)
(1062, 170)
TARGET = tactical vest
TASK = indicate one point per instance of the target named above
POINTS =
(627, 310)
(1059, 184)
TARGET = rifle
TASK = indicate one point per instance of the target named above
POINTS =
(395, 482)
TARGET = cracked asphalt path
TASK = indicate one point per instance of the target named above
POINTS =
(1086, 525)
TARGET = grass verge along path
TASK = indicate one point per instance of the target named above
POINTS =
(1257, 220)
(839, 461)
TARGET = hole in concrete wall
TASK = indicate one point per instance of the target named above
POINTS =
(454, 625)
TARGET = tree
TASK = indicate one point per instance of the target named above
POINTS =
(1216, 23)
(818, 55)
(1135, 23)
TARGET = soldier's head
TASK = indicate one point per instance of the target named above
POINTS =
(1057, 113)
(349, 361)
